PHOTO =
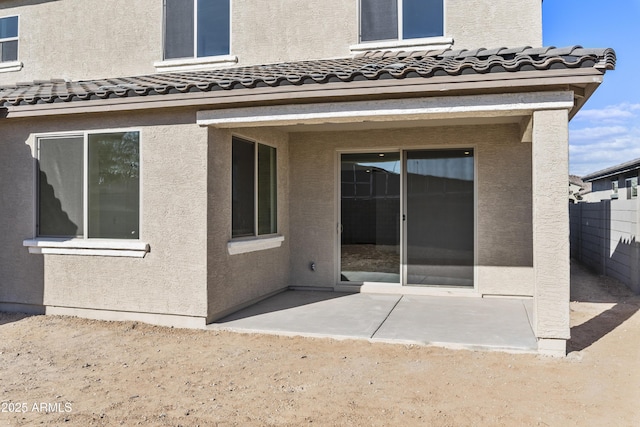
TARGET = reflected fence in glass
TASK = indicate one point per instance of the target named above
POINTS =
(440, 217)
(370, 217)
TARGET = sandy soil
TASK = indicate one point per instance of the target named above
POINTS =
(66, 371)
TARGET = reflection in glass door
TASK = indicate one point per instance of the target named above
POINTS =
(370, 217)
(439, 217)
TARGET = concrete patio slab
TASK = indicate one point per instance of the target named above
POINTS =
(460, 322)
(455, 322)
(318, 314)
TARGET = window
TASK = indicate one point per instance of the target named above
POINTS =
(9, 39)
(614, 189)
(632, 187)
(254, 207)
(196, 28)
(400, 19)
(89, 185)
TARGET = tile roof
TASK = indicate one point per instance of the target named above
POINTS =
(630, 166)
(374, 65)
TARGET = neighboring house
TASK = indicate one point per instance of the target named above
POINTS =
(578, 189)
(605, 231)
(208, 181)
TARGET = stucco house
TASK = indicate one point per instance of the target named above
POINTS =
(174, 161)
(578, 189)
(605, 227)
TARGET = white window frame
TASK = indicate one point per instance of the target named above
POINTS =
(84, 245)
(257, 242)
(195, 63)
(16, 65)
(436, 42)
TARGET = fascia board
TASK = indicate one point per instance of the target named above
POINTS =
(496, 105)
(450, 85)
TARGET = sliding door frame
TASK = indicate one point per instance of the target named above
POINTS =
(403, 287)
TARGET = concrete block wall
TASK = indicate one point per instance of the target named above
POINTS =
(604, 237)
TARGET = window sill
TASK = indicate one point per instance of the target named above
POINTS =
(192, 64)
(253, 244)
(428, 43)
(7, 67)
(93, 247)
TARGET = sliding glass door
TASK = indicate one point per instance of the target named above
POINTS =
(439, 199)
(408, 219)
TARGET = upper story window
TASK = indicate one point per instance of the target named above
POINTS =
(253, 189)
(400, 19)
(9, 39)
(196, 28)
(89, 185)
(614, 188)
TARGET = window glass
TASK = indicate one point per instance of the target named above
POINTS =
(267, 195)
(254, 197)
(61, 165)
(8, 27)
(242, 191)
(213, 27)
(196, 28)
(178, 40)
(9, 51)
(8, 42)
(422, 18)
(111, 177)
(378, 20)
(114, 185)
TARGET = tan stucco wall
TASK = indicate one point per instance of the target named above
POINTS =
(550, 160)
(504, 232)
(80, 39)
(234, 280)
(486, 23)
(171, 279)
(21, 275)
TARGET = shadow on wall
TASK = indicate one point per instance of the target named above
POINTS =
(592, 227)
(626, 257)
(21, 273)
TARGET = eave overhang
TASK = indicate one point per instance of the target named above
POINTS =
(372, 76)
(621, 169)
(443, 109)
(583, 82)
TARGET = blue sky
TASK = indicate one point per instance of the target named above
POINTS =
(606, 131)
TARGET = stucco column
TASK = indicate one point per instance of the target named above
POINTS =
(550, 157)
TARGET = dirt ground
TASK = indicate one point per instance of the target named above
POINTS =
(74, 372)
